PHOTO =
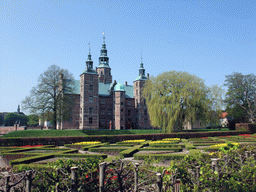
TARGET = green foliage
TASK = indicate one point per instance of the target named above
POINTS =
(47, 178)
(241, 96)
(234, 173)
(174, 98)
(129, 152)
(33, 120)
(60, 133)
(1, 120)
(12, 118)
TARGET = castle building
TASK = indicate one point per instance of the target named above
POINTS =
(100, 103)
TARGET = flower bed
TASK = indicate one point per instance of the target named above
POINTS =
(223, 145)
(171, 139)
(87, 143)
(162, 142)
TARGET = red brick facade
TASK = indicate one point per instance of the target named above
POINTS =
(100, 105)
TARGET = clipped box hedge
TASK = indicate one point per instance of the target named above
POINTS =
(108, 149)
(28, 160)
(161, 149)
(60, 141)
(169, 156)
(98, 156)
(129, 152)
(167, 145)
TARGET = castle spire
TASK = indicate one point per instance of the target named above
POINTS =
(89, 63)
(142, 75)
(103, 59)
(141, 63)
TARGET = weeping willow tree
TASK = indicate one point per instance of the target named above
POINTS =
(174, 98)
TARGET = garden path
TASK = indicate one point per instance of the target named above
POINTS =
(3, 163)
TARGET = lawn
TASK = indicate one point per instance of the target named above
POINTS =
(75, 133)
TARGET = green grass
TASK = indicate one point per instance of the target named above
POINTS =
(75, 133)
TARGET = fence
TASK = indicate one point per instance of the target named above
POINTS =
(119, 176)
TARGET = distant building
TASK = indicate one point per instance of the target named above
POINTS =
(3, 114)
(224, 119)
(101, 103)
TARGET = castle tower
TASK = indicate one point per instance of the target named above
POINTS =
(120, 107)
(142, 120)
(89, 98)
(103, 69)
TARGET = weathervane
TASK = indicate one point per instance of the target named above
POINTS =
(103, 37)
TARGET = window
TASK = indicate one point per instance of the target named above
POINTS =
(109, 111)
(145, 112)
(91, 78)
(90, 99)
(122, 103)
(121, 110)
(122, 94)
(144, 101)
(129, 112)
(122, 119)
(129, 102)
(102, 101)
(102, 111)
(90, 120)
(136, 92)
(90, 110)
(91, 87)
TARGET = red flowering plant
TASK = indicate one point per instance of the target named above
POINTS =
(87, 175)
(30, 146)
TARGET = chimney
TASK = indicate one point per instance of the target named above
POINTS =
(148, 75)
(114, 81)
(125, 83)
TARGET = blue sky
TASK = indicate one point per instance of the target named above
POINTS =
(207, 38)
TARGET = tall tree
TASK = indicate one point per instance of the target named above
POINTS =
(174, 98)
(12, 118)
(215, 96)
(52, 95)
(33, 120)
(242, 93)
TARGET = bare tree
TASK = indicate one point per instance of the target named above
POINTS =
(52, 95)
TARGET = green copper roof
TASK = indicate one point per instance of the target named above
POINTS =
(77, 86)
(92, 71)
(119, 87)
(104, 89)
(103, 65)
(141, 77)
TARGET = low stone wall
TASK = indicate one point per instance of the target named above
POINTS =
(246, 127)
(5, 130)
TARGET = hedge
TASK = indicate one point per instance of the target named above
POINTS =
(129, 152)
(159, 156)
(249, 127)
(60, 141)
(160, 149)
(167, 145)
(27, 160)
(108, 149)
(82, 155)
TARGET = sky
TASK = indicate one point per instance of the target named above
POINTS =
(206, 38)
